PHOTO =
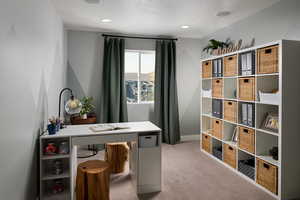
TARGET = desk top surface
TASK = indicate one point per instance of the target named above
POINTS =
(84, 130)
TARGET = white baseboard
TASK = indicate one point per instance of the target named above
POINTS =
(195, 137)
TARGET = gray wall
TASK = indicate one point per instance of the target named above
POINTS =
(32, 71)
(188, 84)
(85, 57)
(280, 21)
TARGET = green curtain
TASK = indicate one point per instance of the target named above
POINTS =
(113, 96)
(166, 100)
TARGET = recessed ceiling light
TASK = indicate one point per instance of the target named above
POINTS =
(185, 26)
(223, 13)
(106, 20)
(92, 1)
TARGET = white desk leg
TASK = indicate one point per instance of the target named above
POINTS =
(133, 163)
(73, 167)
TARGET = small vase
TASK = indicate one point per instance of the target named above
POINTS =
(84, 116)
(51, 129)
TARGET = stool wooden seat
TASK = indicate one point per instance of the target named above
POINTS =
(92, 181)
(116, 154)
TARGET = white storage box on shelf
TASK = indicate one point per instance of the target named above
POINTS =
(147, 141)
(206, 93)
(269, 98)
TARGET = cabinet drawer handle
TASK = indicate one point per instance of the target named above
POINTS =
(217, 81)
(246, 80)
(206, 63)
(229, 103)
(267, 51)
(230, 148)
(217, 122)
(230, 58)
(266, 166)
(205, 136)
(246, 130)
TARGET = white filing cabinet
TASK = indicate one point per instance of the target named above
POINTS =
(149, 163)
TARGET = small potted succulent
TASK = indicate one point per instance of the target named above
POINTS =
(87, 107)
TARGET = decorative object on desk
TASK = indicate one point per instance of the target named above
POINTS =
(51, 129)
(58, 186)
(274, 153)
(63, 147)
(72, 106)
(271, 122)
(87, 107)
(234, 135)
(57, 167)
(50, 149)
(54, 125)
(215, 46)
(77, 120)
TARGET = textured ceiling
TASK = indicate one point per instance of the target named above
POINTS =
(156, 17)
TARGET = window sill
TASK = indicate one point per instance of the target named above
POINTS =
(142, 103)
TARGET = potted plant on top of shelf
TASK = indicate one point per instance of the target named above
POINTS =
(87, 107)
(214, 45)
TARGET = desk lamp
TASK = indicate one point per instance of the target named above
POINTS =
(72, 106)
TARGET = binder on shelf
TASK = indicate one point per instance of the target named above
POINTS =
(220, 68)
(217, 68)
(243, 64)
(248, 114)
(244, 114)
(217, 108)
(247, 63)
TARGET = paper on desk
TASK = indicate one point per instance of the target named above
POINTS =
(107, 127)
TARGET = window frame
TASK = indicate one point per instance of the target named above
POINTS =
(140, 52)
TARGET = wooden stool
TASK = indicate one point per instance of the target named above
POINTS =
(92, 181)
(116, 154)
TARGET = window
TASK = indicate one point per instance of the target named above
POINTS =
(139, 76)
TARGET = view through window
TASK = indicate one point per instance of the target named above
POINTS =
(139, 76)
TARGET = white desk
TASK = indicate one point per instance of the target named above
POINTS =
(145, 163)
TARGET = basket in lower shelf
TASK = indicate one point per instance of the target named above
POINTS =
(217, 152)
(247, 167)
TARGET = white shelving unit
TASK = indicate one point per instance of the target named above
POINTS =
(287, 138)
(47, 179)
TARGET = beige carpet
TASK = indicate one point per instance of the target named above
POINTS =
(189, 174)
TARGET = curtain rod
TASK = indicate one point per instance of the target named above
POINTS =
(136, 37)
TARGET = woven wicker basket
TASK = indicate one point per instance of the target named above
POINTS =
(230, 65)
(246, 139)
(217, 88)
(267, 60)
(267, 175)
(246, 89)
